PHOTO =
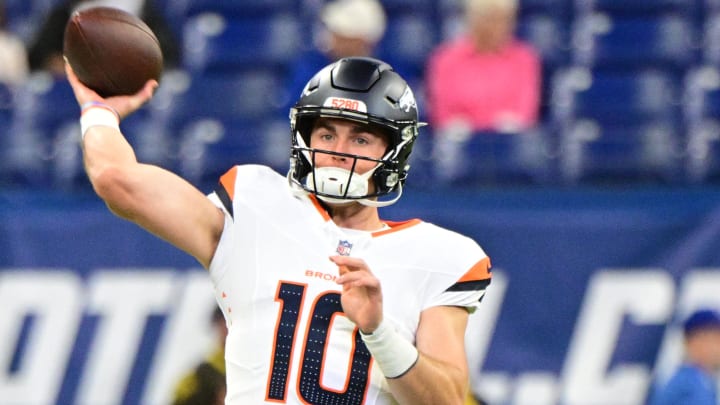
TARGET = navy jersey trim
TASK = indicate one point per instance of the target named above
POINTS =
(473, 285)
(225, 199)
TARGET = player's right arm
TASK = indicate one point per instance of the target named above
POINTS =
(154, 198)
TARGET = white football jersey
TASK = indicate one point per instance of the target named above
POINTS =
(289, 340)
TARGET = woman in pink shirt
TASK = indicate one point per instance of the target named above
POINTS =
(486, 79)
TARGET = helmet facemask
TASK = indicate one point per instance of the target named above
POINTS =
(340, 186)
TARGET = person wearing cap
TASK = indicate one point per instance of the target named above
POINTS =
(347, 28)
(694, 381)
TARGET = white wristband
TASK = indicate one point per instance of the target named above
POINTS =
(392, 353)
(98, 116)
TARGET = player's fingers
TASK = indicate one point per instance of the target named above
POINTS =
(126, 105)
(149, 89)
(358, 279)
(70, 73)
(351, 263)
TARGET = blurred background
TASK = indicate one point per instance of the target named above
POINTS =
(601, 215)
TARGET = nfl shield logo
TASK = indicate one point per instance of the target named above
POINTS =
(344, 247)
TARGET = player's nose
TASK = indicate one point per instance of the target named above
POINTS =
(341, 145)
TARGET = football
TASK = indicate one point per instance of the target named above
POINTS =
(111, 51)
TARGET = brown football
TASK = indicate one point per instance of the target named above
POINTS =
(111, 51)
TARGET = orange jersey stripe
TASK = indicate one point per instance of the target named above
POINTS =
(396, 226)
(227, 180)
(480, 271)
(319, 207)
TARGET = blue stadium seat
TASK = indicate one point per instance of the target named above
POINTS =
(493, 158)
(560, 9)
(213, 43)
(709, 6)
(615, 126)
(549, 35)
(647, 152)
(23, 17)
(702, 115)
(233, 9)
(212, 121)
(408, 7)
(711, 38)
(210, 147)
(408, 42)
(602, 41)
(638, 7)
(44, 123)
(7, 103)
(6, 113)
(618, 98)
(249, 94)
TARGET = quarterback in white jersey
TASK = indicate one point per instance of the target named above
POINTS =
(289, 341)
(325, 302)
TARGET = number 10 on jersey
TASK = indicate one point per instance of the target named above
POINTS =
(313, 361)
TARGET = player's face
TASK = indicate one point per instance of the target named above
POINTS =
(343, 136)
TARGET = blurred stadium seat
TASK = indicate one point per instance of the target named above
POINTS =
(43, 122)
(407, 42)
(210, 147)
(603, 41)
(232, 9)
(550, 37)
(408, 7)
(559, 9)
(644, 152)
(247, 94)
(213, 120)
(23, 16)
(213, 43)
(7, 104)
(7, 107)
(618, 126)
(710, 41)
(492, 158)
(236, 54)
(638, 7)
(702, 113)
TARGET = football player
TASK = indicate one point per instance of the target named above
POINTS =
(326, 302)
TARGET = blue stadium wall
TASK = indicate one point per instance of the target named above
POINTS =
(588, 286)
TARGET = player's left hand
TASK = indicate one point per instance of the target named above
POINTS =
(361, 293)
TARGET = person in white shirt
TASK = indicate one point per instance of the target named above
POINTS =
(13, 54)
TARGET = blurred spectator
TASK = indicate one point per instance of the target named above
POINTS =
(485, 79)
(205, 385)
(694, 382)
(349, 28)
(46, 49)
(13, 55)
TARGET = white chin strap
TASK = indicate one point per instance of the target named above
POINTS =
(339, 183)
